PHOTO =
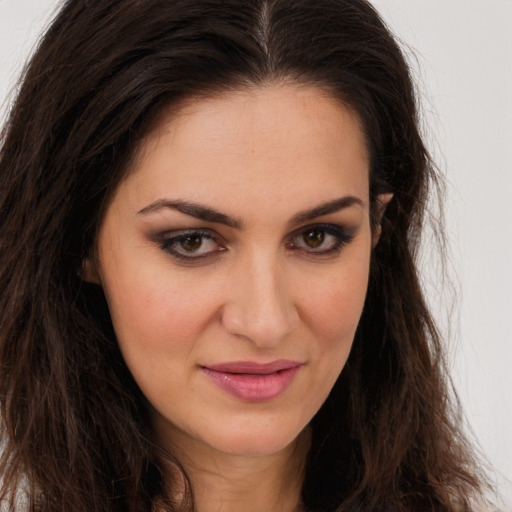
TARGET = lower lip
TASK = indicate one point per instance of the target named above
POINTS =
(252, 387)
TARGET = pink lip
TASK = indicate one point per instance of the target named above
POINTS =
(253, 382)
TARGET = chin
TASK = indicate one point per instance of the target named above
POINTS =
(255, 442)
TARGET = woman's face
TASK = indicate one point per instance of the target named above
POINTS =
(234, 258)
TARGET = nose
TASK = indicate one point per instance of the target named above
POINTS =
(260, 307)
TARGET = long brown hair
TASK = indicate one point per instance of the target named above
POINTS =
(74, 424)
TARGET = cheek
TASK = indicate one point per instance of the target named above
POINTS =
(333, 309)
(331, 313)
(153, 314)
(158, 324)
(171, 310)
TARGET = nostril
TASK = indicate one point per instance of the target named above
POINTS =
(264, 326)
(258, 306)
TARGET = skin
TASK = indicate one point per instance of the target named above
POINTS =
(262, 290)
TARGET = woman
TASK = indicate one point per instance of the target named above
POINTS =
(210, 214)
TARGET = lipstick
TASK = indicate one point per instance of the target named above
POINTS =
(251, 381)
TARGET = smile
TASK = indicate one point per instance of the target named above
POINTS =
(253, 382)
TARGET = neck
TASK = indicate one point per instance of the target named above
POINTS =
(228, 483)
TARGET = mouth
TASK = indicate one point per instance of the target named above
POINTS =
(253, 382)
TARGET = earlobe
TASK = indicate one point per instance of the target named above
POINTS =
(88, 272)
(382, 203)
(376, 235)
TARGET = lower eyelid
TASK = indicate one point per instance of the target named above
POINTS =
(170, 244)
(341, 238)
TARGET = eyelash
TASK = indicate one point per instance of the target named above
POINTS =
(168, 243)
(341, 238)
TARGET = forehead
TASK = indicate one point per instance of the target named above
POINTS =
(255, 144)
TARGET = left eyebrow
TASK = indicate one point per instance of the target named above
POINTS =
(326, 208)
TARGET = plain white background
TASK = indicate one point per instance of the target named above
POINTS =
(461, 53)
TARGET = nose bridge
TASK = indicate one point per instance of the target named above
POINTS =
(260, 306)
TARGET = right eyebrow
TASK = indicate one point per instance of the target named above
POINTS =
(193, 209)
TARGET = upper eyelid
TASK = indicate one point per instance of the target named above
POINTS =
(212, 233)
(169, 238)
(342, 234)
(327, 226)
(178, 233)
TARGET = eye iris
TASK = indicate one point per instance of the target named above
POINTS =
(191, 243)
(314, 238)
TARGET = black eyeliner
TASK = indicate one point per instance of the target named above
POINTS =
(342, 235)
(168, 240)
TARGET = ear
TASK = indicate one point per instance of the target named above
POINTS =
(89, 271)
(382, 203)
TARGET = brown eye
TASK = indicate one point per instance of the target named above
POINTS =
(314, 238)
(320, 240)
(191, 243)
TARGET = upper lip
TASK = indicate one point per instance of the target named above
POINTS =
(252, 367)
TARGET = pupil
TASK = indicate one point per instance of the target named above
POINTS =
(314, 238)
(191, 243)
